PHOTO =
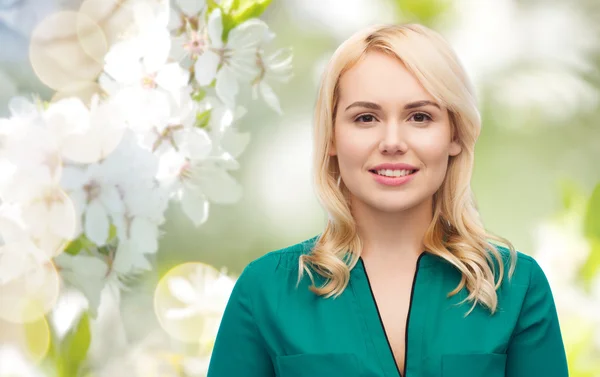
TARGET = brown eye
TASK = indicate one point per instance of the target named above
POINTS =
(421, 117)
(365, 118)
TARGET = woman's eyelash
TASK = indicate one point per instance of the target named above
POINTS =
(428, 117)
(361, 118)
(358, 118)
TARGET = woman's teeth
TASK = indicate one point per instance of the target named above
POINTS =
(394, 173)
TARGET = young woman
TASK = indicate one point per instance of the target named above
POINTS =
(404, 280)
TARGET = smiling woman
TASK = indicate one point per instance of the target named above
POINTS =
(404, 280)
(375, 135)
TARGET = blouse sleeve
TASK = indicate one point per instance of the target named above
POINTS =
(536, 347)
(239, 348)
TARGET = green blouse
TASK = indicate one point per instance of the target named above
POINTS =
(271, 328)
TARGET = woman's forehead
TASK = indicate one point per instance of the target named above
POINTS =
(379, 77)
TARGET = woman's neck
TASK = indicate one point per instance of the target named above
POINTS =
(389, 236)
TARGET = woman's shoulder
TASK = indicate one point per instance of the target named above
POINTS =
(284, 259)
(527, 277)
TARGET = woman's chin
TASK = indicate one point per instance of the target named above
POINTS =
(396, 207)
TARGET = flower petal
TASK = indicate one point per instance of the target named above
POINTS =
(195, 206)
(215, 28)
(96, 223)
(143, 235)
(178, 52)
(182, 289)
(172, 77)
(175, 22)
(218, 185)
(111, 199)
(227, 86)
(122, 61)
(63, 217)
(157, 48)
(72, 178)
(279, 65)
(248, 35)
(243, 63)
(235, 142)
(270, 97)
(181, 313)
(86, 273)
(206, 67)
(194, 143)
(191, 7)
(128, 259)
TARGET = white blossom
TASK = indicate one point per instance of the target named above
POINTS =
(107, 169)
(202, 292)
(140, 62)
(273, 67)
(185, 11)
(19, 255)
(96, 198)
(190, 29)
(228, 142)
(88, 273)
(14, 363)
(231, 61)
(148, 357)
(32, 165)
(69, 306)
(87, 135)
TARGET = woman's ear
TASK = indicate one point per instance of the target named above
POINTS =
(332, 150)
(455, 148)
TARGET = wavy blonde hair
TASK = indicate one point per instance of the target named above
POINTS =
(456, 233)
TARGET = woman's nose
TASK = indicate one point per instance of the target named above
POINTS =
(392, 140)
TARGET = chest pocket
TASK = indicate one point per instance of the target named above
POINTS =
(318, 365)
(474, 365)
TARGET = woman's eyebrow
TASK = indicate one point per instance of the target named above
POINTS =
(368, 105)
(414, 105)
(408, 106)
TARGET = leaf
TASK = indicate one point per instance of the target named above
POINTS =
(203, 119)
(112, 232)
(230, 5)
(228, 24)
(74, 247)
(75, 346)
(250, 9)
(240, 11)
(212, 5)
(592, 216)
(80, 243)
(198, 95)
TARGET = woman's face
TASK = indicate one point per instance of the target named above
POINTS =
(384, 116)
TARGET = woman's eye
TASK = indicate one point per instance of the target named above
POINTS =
(421, 117)
(365, 118)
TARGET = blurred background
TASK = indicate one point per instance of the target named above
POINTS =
(536, 67)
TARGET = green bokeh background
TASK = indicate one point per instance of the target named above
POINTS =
(524, 157)
(521, 158)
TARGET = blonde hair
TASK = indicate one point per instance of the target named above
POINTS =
(456, 233)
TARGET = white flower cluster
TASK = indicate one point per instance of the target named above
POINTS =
(94, 180)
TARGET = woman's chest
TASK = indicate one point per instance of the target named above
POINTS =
(352, 335)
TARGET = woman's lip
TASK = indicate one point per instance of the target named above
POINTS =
(393, 181)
